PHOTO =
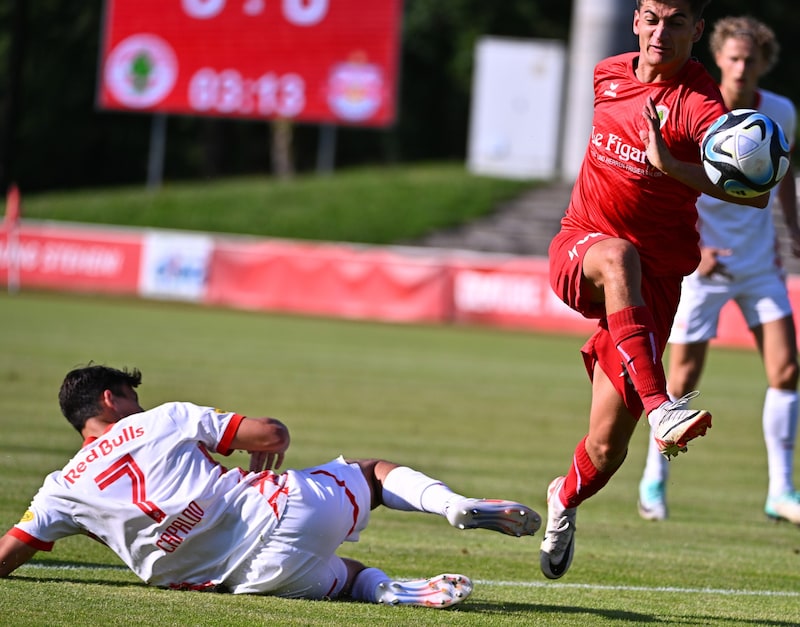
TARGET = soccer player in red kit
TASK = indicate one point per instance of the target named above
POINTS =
(626, 241)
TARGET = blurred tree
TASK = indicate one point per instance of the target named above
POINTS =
(14, 53)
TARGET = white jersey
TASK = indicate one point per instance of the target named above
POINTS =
(150, 490)
(749, 233)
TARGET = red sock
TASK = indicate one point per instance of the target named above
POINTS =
(583, 479)
(633, 331)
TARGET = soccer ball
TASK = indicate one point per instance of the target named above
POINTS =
(745, 153)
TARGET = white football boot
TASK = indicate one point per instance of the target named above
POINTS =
(652, 500)
(439, 592)
(675, 426)
(558, 545)
(508, 517)
(785, 507)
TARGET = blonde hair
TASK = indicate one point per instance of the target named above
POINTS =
(746, 27)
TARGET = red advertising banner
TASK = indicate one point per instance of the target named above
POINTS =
(307, 60)
(328, 279)
(81, 259)
(511, 292)
(339, 280)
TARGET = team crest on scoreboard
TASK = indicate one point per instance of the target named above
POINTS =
(355, 90)
(141, 70)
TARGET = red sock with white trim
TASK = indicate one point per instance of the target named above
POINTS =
(583, 479)
(633, 331)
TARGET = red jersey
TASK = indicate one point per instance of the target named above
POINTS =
(617, 191)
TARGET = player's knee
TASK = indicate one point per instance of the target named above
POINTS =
(786, 377)
(374, 475)
(615, 260)
(605, 455)
(622, 254)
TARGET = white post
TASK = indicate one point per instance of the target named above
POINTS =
(155, 157)
(600, 28)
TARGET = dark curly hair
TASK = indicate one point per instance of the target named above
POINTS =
(79, 396)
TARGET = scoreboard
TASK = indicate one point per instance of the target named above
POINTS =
(327, 61)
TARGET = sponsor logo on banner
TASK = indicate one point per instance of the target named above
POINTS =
(480, 292)
(66, 258)
(355, 90)
(175, 266)
(510, 294)
(141, 71)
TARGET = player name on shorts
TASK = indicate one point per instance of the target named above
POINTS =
(177, 530)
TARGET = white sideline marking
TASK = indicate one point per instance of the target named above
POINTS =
(521, 584)
(592, 586)
(45, 565)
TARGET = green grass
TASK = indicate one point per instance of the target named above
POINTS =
(492, 413)
(368, 205)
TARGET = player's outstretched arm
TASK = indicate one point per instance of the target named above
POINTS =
(691, 174)
(266, 439)
(13, 553)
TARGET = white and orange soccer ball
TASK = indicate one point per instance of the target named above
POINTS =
(745, 153)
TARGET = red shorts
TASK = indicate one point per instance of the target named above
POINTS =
(660, 294)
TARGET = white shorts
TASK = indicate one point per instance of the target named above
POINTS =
(761, 299)
(327, 505)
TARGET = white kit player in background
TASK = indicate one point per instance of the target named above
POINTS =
(740, 262)
(145, 485)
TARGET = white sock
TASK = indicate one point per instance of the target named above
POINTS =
(365, 584)
(656, 467)
(409, 490)
(779, 421)
(651, 416)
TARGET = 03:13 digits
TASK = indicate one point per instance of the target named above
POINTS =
(227, 91)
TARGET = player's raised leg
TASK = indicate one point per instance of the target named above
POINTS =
(406, 489)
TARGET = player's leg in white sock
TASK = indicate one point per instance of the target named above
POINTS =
(409, 490)
(779, 420)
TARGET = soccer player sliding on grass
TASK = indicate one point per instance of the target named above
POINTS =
(145, 485)
(626, 241)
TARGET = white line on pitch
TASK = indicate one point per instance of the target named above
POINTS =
(75, 566)
(591, 586)
(521, 584)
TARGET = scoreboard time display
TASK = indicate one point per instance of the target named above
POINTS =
(327, 61)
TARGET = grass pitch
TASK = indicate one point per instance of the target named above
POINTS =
(493, 413)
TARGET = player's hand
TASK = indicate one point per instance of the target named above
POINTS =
(710, 264)
(266, 439)
(264, 460)
(658, 154)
